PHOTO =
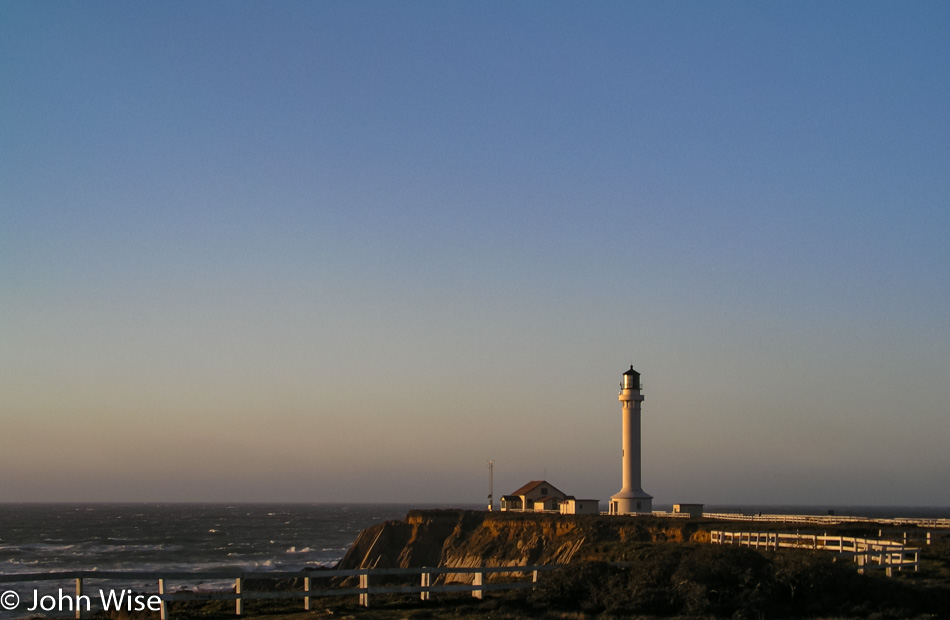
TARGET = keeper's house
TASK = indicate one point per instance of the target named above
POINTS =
(539, 495)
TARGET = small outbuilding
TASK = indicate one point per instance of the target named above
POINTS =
(695, 511)
(572, 506)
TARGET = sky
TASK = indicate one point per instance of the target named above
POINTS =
(352, 251)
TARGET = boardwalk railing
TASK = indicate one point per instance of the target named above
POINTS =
(867, 552)
(827, 519)
(83, 602)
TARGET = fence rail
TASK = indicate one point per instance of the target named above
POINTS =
(866, 552)
(828, 520)
(83, 602)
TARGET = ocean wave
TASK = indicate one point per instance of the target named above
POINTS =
(120, 549)
(295, 550)
(19, 562)
(40, 546)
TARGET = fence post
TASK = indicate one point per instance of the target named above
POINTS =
(163, 608)
(364, 585)
(534, 576)
(306, 593)
(78, 600)
(426, 582)
(478, 592)
(238, 602)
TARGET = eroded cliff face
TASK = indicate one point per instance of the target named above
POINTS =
(465, 538)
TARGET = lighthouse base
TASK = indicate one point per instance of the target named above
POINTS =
(631, 503)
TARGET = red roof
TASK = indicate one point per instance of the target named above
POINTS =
(535, 484)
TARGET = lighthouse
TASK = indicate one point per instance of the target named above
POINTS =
(631, 499)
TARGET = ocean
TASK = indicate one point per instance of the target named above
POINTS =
(183, 537)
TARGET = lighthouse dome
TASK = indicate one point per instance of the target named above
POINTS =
(631, 380)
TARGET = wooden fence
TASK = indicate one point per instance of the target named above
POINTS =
(867, 552)
(828, 520)
(83, 602)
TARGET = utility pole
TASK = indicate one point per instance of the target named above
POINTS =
(491, 465)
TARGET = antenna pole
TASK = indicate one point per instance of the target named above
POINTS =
(491, 482)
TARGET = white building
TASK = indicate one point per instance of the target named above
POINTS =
(537, 495)
(631, 499)
(572, 506)
(695, 511)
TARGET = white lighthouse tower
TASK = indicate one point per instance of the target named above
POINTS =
(631, 499)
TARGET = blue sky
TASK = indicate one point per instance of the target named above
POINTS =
(350, 251)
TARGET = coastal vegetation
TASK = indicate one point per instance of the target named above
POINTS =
(690, 580)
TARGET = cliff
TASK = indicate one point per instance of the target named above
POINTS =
(662, 580)
(466, 538)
